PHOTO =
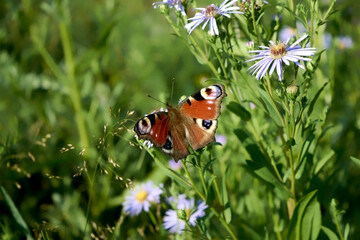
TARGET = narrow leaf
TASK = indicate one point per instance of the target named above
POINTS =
(320, 164)
(225, 200)
(271, 107)
(312, 103)
(356, 161)
(306, 220)
(329, 233)
(16, 214)
(239, 110)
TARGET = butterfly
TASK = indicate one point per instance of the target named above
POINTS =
(193, 122)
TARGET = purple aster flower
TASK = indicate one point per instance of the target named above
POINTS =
(286, 33)
(277, 53)
(140, 198)
(220, 139)
(289, 32)
(175, 165)
(209, 14)
(345, 42)
(174, 221)
(171, 3)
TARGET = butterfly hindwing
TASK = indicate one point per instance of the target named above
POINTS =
(203, 107)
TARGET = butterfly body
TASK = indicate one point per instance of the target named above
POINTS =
(192, 123)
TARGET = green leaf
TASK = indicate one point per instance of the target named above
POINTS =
(271, 107)
(346, 231)
(306, 221)
(162, 163)
(210, 196)
(320, 164)
(16, 214)
(225, 200)
(259, 167)
(356, 161)
(239, 110)
(329, 233)
(313, 101)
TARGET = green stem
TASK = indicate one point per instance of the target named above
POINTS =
(254, 23)
(338, 227)
(152, 218)
(72, 84)
(269, 91)
(227, 227)
(292, 175)
(220, 62)
(217, 190)
(198, 163)
(192, 181)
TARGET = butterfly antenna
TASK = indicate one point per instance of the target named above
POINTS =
(172, 89)
(156, 99)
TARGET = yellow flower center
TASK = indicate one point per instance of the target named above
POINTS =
(278, 50)
(141, 196)
(211, 11)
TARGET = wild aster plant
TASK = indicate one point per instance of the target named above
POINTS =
(209, 14)
(140, 198)
(171, 3)
(174, 221)
(277, 53)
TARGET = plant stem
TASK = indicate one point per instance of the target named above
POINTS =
(198, 163)
(72, 84)
(227, 227)
(220, 62)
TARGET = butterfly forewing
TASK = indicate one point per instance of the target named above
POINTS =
(153, 127)
(204, 104)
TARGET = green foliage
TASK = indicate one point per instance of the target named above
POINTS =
(75, 77)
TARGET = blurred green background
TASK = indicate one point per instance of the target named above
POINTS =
(68, 67)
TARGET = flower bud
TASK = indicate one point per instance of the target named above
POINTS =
(250, 45)
(292, 91)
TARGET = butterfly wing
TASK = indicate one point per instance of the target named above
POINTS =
(153, 127)
(156, 128)
(200, 112)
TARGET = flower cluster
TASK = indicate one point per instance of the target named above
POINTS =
(140, 199)
(269, 57)
(186, 211)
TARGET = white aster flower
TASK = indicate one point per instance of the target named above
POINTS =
(277, 53)
(140, 198)
(174, 220)
(209, 14)
(171, 3)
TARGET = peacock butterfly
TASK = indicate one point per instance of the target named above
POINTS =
(193, 122)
